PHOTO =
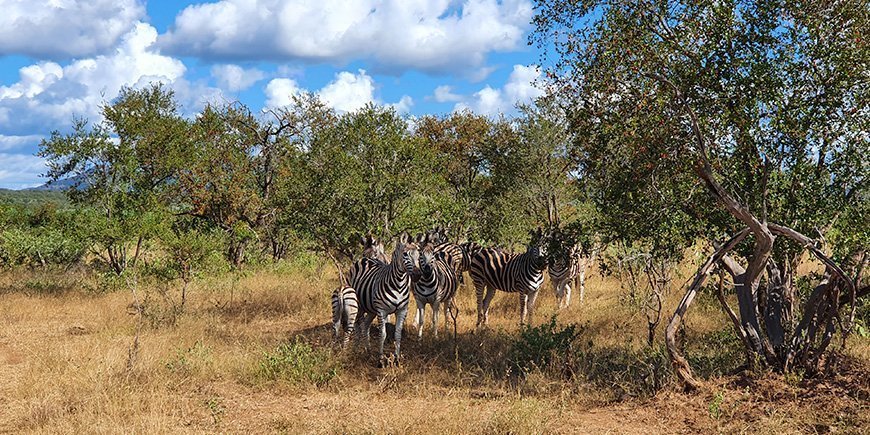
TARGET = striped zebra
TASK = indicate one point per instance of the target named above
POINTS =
(565, 269)
(493, 269)
(458, 255)
(437, 285)
(344, 309)
(373, 248)
(384, 289)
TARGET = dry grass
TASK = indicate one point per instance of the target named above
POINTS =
(64, 348)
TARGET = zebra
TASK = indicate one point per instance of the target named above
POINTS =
(384, 289)
(566, 271)
(458, 255)
(563, 270)
(373, 248)
(493, 269)
(437, 285)
(344, 309)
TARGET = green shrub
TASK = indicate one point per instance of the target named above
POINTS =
(298, 363)
(543, 347)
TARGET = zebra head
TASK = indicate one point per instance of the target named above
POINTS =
(537, 248)
(373, 248)
(407, 253)
(427, 260)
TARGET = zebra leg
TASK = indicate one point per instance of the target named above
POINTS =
(533, 296)
(418, 319)
(557, 288)
(350, 321)
(435, 307)
(336, 314)
(400, 322)
(490, 293)
(567, 293)
(365, 324)
(524, 299)
(448, 306)
(581, 281)
(382, 321)
(478, 291)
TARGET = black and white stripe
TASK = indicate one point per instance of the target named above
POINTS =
(562, 271)
(384, 289)
(344, 309)
(493, 269)
(458, 255)
(373, 248)
(437, 285)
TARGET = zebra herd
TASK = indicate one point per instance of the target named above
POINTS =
(431, 268)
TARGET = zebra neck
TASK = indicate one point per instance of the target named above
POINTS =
(397, 271)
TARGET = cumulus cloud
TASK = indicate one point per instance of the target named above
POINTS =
(403, 106)
(65, 28)
(235, 78)
(345, 93)
(349, 91)
(519, 88)
(431, 35)
(47, 95)
(444, 94)
(279, 92)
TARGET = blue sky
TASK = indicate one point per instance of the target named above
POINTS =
(63, 59)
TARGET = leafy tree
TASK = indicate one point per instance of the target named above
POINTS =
(458, 142)
(122, 166)
(762, 105)
(363, 172)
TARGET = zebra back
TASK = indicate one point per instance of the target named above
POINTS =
(512, 273)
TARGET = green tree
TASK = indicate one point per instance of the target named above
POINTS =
(362, 173)
(760, 104)
(122, 166)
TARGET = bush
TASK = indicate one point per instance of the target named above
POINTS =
(298, 363)
(543, 347)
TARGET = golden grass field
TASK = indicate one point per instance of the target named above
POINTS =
(64, 354)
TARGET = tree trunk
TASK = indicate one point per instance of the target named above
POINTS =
(681, 365)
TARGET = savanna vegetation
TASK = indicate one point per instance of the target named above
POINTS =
(700, 154)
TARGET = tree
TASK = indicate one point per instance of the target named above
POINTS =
(122, 166)
(218, 183)
(359, 173)
(458, 142)
(763, 105)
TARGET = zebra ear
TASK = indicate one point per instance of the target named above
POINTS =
(404, 238)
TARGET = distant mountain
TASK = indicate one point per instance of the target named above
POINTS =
(61, 185)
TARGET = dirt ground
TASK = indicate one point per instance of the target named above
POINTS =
(65, 368)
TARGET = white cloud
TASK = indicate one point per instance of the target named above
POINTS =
(349, 92)
(519, 88)
(444, 94)
(279, 92)
(20, 171)
(431, 35)
(65, 28)
(10, 143)
(345, 93)
(235, 78)
(48, 95)
(403, 106)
